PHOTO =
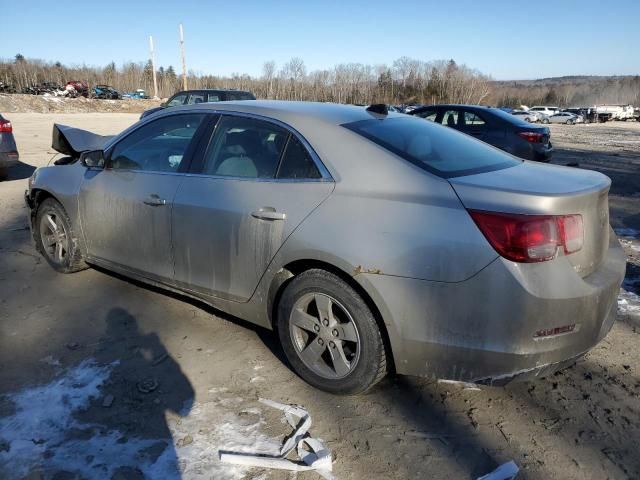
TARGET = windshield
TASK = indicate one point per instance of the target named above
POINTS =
(437, 149)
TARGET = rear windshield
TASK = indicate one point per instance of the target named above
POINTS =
(437, 149)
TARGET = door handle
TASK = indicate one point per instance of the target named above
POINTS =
(154, 200)
(268, 213)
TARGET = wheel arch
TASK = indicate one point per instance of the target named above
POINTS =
(294, 268)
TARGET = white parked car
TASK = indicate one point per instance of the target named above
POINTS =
(531, 117)
(565, 117)
(546, 111)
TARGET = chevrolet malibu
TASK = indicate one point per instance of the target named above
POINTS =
(370, 241)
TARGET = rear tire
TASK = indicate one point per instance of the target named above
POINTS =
(56, 239)
(545, 120)
(329, 334)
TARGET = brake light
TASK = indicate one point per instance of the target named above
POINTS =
(530, 238)
(5, 126)
(533, 137)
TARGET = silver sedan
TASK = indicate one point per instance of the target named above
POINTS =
(370, 241)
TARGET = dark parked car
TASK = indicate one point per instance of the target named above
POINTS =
(106, 92)
(192, 97)
(8, 149)
(495, 127)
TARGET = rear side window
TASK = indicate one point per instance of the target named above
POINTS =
(450, 118)
(471, 118)
(245, 147)
(428, 115)
(442, 151)
(240, 96)
(213, 97)
(196, 98)
(296, 162)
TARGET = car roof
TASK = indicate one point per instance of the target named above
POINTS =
(294, 112)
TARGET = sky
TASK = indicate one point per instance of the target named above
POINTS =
(513, 39)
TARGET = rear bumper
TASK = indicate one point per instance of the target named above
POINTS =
(8, 159)
(484, 329)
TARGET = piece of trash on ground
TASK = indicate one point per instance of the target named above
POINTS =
(506, 471)
(312, 453)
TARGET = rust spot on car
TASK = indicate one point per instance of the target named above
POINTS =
(360, 269)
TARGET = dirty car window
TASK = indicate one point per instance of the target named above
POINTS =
(158, 146)
(439, 150)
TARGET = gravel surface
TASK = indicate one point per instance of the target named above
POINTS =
(106, 378)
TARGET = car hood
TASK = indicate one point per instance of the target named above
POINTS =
(73, 141)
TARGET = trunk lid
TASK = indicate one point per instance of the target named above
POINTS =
(536, 189)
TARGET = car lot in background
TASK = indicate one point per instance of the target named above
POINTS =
(495, 127)
(8, 150)
(193, 97)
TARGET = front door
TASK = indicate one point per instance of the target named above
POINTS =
(126, 208)
(253, 187)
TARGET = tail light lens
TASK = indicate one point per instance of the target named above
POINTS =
(530, 238)
(5, 126)
(532, 137)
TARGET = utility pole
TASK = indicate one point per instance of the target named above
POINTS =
(184, 63)
(153, 66)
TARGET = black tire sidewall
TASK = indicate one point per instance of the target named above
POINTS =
(366, 372)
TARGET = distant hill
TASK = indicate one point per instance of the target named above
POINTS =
(571, 90)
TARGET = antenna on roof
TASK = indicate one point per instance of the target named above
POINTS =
(380, 108)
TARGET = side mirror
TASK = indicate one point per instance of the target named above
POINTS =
(92, 159)
(163, 104)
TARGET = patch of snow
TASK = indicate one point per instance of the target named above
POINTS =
(40, 434)
(630, 244)
(628, 303)
(256, 379)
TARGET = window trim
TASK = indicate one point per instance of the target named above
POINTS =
(325, 176)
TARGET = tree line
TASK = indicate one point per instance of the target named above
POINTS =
(405, 81)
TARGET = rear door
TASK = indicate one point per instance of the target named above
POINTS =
(126, 208)
(252, 186)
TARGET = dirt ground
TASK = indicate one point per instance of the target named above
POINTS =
(105, 378)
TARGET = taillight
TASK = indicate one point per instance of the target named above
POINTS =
(5, 126)
(530, 238)
(533, 137)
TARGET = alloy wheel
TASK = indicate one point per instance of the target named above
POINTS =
(324, 335)
(55, 241)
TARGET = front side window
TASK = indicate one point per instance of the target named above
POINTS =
(158, 146)
(244, 147)
(297, 163)
(213, 97)
(177, 100)
(442, 151)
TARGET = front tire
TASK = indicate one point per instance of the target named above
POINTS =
(329, 334)
(55, 238)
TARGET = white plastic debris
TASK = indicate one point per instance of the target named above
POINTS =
(312, 453)
(506, 471)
